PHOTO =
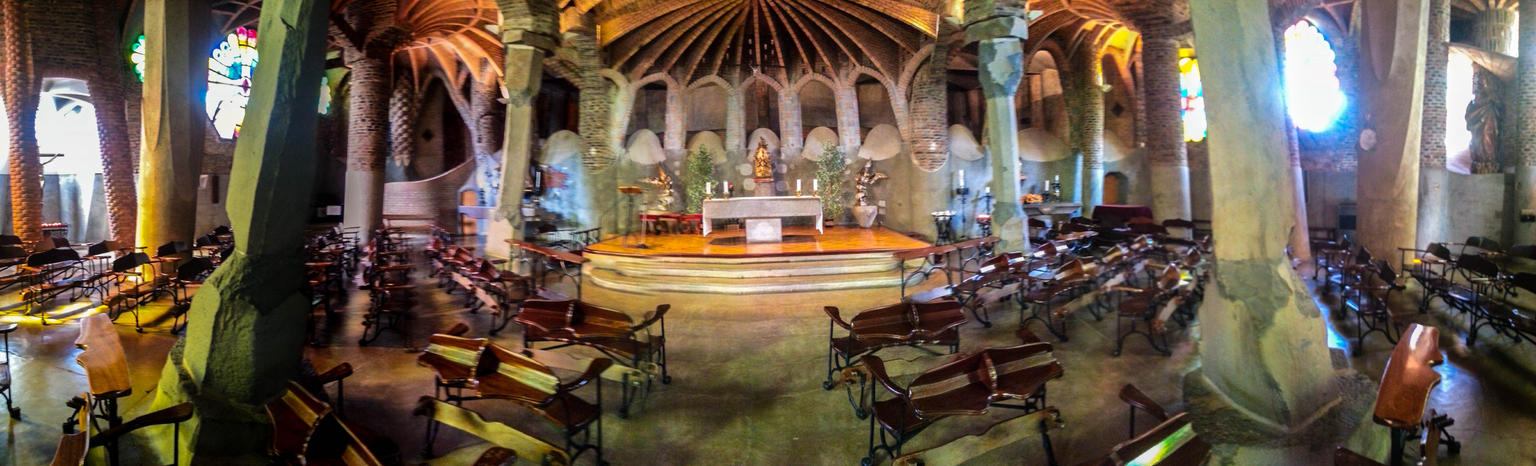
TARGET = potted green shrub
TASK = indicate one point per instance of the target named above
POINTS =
(830, 173)
(700, 172)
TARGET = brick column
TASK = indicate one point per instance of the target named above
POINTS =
(847, 100)
(528, 33)
(1266, 390)
(21, 111)
(597, 180)
(929, 185)
(1088, 124)
(675, 139)
(107, 94)
(404, 104)
(247, 322)
(1166, 154)
(1525, 120)
(1432, 174)
(368, 128)
(170, 160)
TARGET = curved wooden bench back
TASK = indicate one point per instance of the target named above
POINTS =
(1409, 377)
(294, 415)
(105, 364)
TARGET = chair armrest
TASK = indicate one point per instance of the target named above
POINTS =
(171, 415)
(594, 370)
(661, 312)
(341, 371)
(837, 318)
(457, 330)
(1137, 400)
(876, 368)
(8, 328)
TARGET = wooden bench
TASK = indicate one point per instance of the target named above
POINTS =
(566, 264)
(508, 375)
(1148, 310)
(1404, 393)
(1039, 294)
(935, 323)
(610, 332)
(77, 440)
(502, 444)
(105, 364)
(49, 274)
(5, 370)
(306, 431)
(931, 260)
(969, 386)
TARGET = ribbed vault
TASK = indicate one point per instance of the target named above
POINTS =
(690, 38)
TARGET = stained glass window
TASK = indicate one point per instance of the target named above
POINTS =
(325, 94)
(230, 69)
(1312, 92)
(1192, 96)
(136, 56)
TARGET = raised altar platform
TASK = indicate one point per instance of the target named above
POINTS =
(723, 263)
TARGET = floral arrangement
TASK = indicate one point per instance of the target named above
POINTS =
(1031, 199)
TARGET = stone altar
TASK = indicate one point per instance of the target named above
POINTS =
(764, 215)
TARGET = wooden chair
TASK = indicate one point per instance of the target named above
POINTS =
(530, 384)
(1367, 299)
(911, 324)
(1404, 392)
(1135, 399)
(1148, 310)
(502, 291)
(1505, 317)
(5, 371)
(454, 362)
(77, 439)
(105, 364)
(1172, 443)
(136, 283)
(306, 431)
(610, 332)
(934, 259)
(52, 272)
(994, 280)
(1039, 295)
(502, 444)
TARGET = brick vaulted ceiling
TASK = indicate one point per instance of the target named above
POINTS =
(690, 38)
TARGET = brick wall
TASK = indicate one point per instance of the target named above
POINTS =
(1491, 29)
(1087, 106)
(437, 196)
(1525, 87)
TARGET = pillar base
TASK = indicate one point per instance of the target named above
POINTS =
(1433, 202)
(1170, 191)
(1238, 438)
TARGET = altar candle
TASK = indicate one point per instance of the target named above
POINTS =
(797, 185)
(988, 189)
(960, 179)
(816, 184)
(709, 187)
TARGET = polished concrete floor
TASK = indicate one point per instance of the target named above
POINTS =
(747, 385)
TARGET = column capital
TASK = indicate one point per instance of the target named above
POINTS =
(1002, 65)
(530, 22)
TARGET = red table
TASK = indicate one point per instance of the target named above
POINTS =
(1114, 215)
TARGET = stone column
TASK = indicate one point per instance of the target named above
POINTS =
(1392, 43)
(1301, 238)
(790, 139)
(368, 128)
(1089, 124)
(1167, 157)
(26, 170)
(171, 155)
(528, 32)
(107, 94)
(1002, 66)
(1266, 391)
(675, 140)
(1432, 174)
(1525, 121)
(848, 136)
(597, 188)
(245, 335)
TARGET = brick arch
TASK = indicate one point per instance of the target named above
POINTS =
(778, 87)
(909, 69)
(712, 80)
(614, 75)
(664, 78)
(805, 79)
(851, 76)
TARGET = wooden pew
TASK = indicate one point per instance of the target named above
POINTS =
(531, 384)
(1039, 294)
(105, 364)
(610, 332)
(566, 264)
(932, 259)
(454, 362)
(1405, 386)
(935, 323)
(501, 442)
(306, 431)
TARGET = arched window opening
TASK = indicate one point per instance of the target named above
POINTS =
(1460, 89)
(1192, 96)
(1312, 92)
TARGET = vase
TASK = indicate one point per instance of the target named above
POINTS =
(865, 215)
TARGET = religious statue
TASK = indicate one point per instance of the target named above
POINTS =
(664, 196)
(867, 178)
(762, 163)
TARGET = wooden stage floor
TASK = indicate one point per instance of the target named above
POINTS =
(798, 241)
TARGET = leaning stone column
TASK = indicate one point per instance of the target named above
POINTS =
(368, 130)
(1089, 110)
(1432, 174)
(1266, 391)
(1392, 83)
(245, 333)
(1167, 156)
(1525, 121)
(528, 32)
(171, 154)
(1002, 66)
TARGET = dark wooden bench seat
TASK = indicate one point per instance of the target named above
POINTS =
(454, 362)
(501, 443)
(641, 346)
(509, 375)
(1401, 400)
(305, 430)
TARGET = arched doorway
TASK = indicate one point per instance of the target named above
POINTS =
(1116, 188)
